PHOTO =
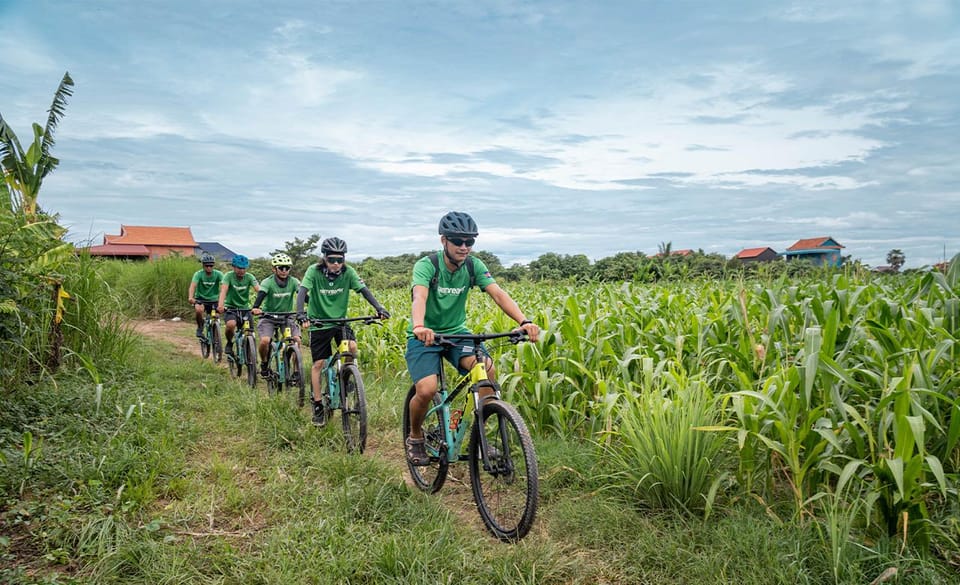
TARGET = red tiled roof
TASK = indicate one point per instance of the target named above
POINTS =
(152, 235)
(119, 250)
(753, 252)
(813, 244)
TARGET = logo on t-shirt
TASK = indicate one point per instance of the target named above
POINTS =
(330, 291)
(449, 290)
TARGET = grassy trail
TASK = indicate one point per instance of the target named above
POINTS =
(197, 479)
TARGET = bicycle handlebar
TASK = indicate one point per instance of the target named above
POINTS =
(343, 321)
(282, 315)
(515, 336)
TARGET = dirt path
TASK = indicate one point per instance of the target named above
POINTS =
(456, 493)
(178, 333)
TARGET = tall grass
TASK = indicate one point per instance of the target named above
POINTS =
(156, 289)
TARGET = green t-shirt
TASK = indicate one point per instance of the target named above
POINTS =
(238, 290)
(329, 298)
(279, 299)
(208, 286)
(446, 310)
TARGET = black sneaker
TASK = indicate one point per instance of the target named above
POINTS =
(200, 332)
(229, 350)
(264, 370)
(319, 414)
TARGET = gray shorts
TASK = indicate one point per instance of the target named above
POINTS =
(266, 326)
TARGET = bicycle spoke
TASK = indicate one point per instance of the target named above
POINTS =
(353, 405)
(505, 483)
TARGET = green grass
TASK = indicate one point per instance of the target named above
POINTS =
(180, 475)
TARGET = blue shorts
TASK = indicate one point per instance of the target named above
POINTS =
(423, 361)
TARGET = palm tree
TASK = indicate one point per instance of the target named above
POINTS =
(24, 170)
(896, 258)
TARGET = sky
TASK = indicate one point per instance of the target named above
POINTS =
(562, 126)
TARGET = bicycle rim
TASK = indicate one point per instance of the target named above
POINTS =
(428, 478)
(217, 345)
(507, 491)
(205, 341)
(250, 349)
(273, 360)
(294, 368)
(353, 408)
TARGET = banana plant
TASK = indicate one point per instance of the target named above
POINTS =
(25, 169)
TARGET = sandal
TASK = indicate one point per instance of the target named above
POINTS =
(416, 452)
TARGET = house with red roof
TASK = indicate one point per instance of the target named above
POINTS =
(822, 251)
(143, 241)
(764, 254)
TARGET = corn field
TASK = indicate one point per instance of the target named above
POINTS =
(814, 398)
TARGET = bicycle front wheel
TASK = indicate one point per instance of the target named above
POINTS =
(250, 351)
(216, 343)
(353, 408)
(428, 478)
(273, 380)
(293, 364)
(505, 481)
(205, 344)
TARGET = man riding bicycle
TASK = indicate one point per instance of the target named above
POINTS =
(235, 296)
(204, 290)
(328, 284)
(440, 286)
(278, 294)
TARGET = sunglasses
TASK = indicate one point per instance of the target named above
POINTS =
(468, 242)
(334, 259)
(283, 268)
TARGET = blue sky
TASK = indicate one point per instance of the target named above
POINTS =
(564, 126)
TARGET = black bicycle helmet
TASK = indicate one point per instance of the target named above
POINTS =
(333, 246)
(207, 259)
(458, 223)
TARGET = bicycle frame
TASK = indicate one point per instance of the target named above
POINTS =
(246, 330)
(209, 318)
(454, 428)
(331, 370)
(456, 421)
(279, 343)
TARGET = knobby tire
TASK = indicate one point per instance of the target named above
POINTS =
(353, 408)
(507, 494)
(250, 351)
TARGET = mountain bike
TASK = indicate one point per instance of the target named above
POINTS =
(245, 353)
(341, 386)
(284, 359)
(210, 342)
(503, 465)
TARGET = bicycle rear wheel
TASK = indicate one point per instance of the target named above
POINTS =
(505, 483)
(294, 367)
(216, 344)
(353, 408)
(250, 351)
(428, 478)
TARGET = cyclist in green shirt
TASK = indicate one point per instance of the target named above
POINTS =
(439, 306)
(204, 290)
(277, 294)
(328, 284)
(234, 299)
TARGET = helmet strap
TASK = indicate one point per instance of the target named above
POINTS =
(450, 258)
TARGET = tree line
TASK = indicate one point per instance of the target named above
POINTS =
(395, 271)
